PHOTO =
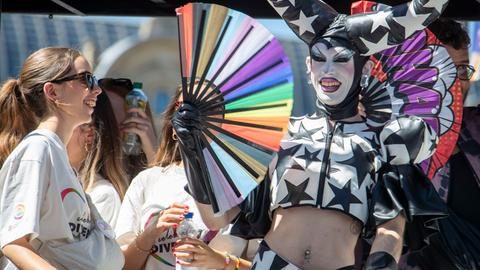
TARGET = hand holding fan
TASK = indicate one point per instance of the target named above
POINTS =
(237, 90)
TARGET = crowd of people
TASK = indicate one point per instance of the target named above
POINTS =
(70, 198)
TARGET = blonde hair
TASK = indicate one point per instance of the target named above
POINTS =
(23, 102)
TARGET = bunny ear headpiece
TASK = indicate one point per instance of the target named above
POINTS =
(368, 32)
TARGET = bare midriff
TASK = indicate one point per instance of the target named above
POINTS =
(313, 238)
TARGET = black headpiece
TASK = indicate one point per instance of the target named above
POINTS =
(365, 33)
(369, 32)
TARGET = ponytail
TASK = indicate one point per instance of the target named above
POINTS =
(16, 119)
(23, 102)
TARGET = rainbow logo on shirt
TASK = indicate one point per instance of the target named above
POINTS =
(66, 191)
(19, 211)
(162, 260)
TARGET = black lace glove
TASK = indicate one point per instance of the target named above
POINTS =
(380, 260)
(186, 123)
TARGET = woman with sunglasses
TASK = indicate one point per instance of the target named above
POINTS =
(95, 151)
(46, 220)
(155, 203)
(134, 120)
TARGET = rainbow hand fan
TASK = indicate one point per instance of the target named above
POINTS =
(238, 77)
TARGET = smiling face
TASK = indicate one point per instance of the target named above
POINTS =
(331, 72)
(76, 100)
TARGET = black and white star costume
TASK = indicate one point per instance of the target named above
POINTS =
(368, 173)
(336, 167)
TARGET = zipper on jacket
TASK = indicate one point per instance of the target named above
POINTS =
(326, 156)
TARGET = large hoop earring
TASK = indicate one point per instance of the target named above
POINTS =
(174, 137)
(364, 81)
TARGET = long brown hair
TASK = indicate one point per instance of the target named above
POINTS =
(106, 155)
(23, 102)
(168, 152)
(121, 87)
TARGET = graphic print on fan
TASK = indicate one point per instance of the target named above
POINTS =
(238, 77)
(420, 83)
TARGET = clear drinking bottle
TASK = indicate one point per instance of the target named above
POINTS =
(134, 99)
(187, 228)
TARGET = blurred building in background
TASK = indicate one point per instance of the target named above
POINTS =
(142, 49)
(146, 50)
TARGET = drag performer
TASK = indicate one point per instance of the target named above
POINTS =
(333, 160)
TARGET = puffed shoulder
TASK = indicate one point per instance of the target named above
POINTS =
(404, 189)
(407, 140)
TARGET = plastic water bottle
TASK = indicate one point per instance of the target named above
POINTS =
(187, 228)
(134, 99)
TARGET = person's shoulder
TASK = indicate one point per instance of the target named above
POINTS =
(103, 186)
(33, 147)
(149, 174)
(407, 139)
(304, 118)
(305, 123)
(156, 175)
(102, 190)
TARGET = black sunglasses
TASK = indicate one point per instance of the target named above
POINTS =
(121, 86)
(87, 78)
(465, 72)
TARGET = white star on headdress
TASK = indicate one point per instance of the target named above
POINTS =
(412, 21)
(379, 19)
(304, 23)
(280, 10)
(437, 4)
(374, 47)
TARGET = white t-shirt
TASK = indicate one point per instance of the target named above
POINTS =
(153, 190)
(40, 195)
(106, 199)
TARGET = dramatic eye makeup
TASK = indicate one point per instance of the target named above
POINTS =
(343, 56)
(316, 55)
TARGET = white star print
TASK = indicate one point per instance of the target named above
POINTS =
(280, 10)
(437, 4)
(412, 21)
(304, 23)
(372, 47)
(292, 1)
(379, 19)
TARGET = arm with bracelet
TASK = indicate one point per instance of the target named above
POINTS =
(207, 257)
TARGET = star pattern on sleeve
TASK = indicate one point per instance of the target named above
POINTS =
(284, 158)
(343, 197)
